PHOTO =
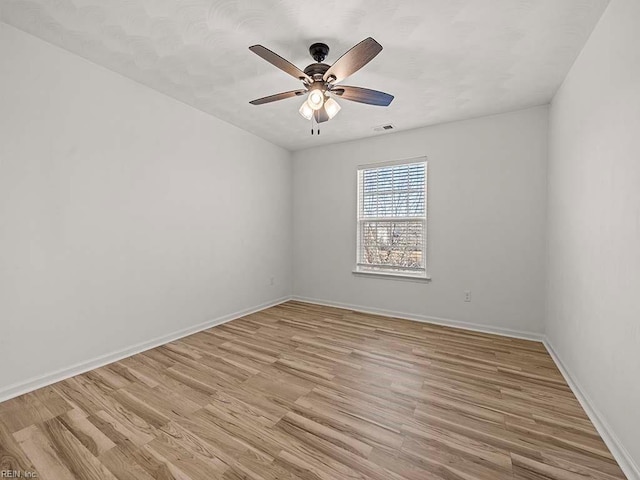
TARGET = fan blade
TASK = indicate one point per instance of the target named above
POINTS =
(363, 95)
(321, 115)
(277, 96)
(353, 60)
(278, 61)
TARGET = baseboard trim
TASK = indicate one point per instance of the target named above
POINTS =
(622, 456)
(505, 332)
(27, 386)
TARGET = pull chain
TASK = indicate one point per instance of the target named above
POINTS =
(313, 117)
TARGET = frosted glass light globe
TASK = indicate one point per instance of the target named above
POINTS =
(316, 99)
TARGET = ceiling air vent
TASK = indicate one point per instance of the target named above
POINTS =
(384, 128)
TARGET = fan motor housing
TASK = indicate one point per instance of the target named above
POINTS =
(316, 69)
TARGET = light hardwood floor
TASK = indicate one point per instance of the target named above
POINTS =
(310, 392)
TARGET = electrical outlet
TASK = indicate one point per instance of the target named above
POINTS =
(272, 281)
(467, 295)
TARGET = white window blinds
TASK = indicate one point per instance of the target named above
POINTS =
(392, 219)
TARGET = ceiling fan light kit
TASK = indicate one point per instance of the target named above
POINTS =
(320, 80)
(316, 99)
(332, 107)
(306, 111)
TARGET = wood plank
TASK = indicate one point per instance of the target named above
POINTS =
(12, 456)
(37, 447)
(89, 435)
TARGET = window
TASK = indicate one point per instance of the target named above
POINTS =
(392, 219)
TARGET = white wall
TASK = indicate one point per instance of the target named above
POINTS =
(124, 215)
(593, 318)
(486, 225)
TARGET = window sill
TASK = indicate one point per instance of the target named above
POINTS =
(391, 276)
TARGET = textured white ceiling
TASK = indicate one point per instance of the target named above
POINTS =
(443, 60)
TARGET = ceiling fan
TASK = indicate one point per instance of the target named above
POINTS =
(321, 81)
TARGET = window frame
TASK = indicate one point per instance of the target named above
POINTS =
(361, 269)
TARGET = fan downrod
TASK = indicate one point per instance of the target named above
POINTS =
(319, 51)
